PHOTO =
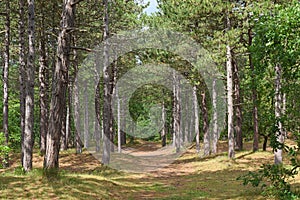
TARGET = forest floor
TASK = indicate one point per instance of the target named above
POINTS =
(189, 177)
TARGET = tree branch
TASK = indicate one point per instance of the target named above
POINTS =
(76, 2)
(83, 48)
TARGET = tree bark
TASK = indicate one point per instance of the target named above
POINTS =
(5, 79)
(215, 133)
(22, 73)
(254, 98)
(205, 125)
(278, 105)
(163, 130)
(29, 99)
(177, 113)
(58, 100)
(107, 92)
(43, 80)
(230, 104)
(119, 122)
(86, 117)
(98, 116)
(238, 107)
(229, 68)
(78, 142)
(196, 112)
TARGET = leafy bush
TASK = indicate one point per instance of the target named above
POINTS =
(4, 150)
(274, 179)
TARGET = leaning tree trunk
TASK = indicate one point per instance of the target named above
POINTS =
(196, 113)
(5, 78)
(205, 125)
(28, 139)
(254, 98)
(59, 88)
(278, 101)
(107, 92)
(238, 107)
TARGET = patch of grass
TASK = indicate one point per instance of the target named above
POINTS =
(190, 177)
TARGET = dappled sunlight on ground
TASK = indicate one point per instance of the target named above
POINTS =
(190, 177)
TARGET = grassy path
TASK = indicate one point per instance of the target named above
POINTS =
(190, 177)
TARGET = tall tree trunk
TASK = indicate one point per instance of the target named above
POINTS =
(5, 79)
(205, 125)
(186, 117)
(215, 134)
(196, 113)
(59, 87)
(229, 69)
(29, 99)
(177, 113)
(78, 143)
(107, 125)
(278, 105)
(22, 72)
(119, 121)
(98, 116)
(254, 98)
(238, 107)
(63, 136)
(174, 112)
(163, 130)
(86, 117)
(43, 80)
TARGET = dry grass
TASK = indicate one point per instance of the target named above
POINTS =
(189, 177)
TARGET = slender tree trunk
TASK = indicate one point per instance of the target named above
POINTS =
(58, 100)
(43, 74)
(265, 143)
(278, 104)
(177, 114)
(174, 112)
(196, 112)
(186, 119)
(86, 117)
(230, 104)
(229, 69)
(254, 98)
(98, 116)
(283, 113)
(123, 124)
(63, 136)
(119, 122)
(238, 107)
(5, 79)
(22, 73)
(29, 99)
(205, 125)
(215, 134)
(163, 130)
(78, 142)
(107, 125)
